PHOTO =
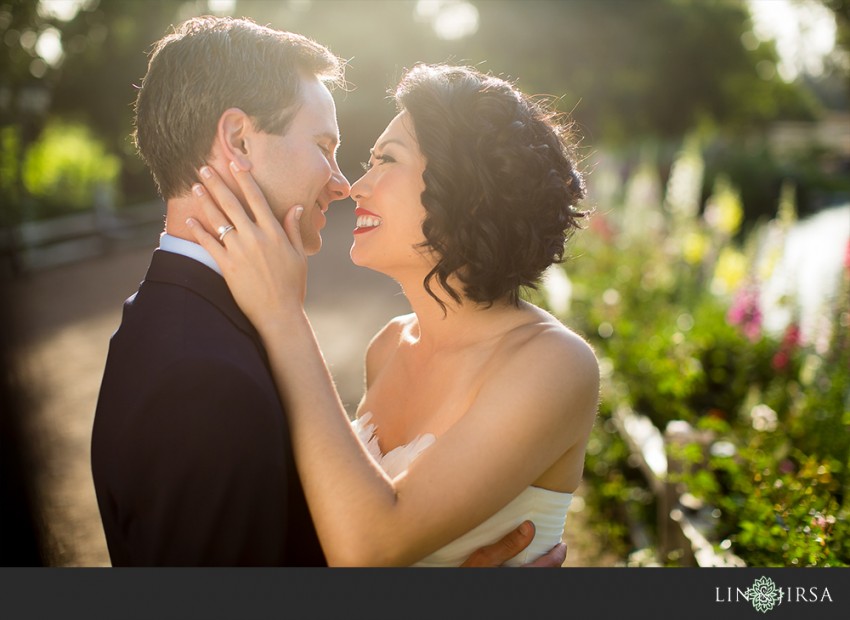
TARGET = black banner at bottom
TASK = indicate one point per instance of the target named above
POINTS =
(165, 593)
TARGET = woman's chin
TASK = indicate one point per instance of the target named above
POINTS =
(357, 256)
(360, 259)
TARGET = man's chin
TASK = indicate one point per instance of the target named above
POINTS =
(312, 246)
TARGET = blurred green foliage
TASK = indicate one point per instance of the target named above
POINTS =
(779, 505)
(66, 168)
(10, 173)
(670, 300)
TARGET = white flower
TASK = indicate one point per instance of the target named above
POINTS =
(723, 449)
(763, 418)
(641, 215)
(684, 186)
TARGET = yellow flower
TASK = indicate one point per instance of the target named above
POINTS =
(724, 213)
(694, 247)
(729, 272)
(786, 214)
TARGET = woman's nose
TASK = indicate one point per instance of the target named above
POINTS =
(360, 189)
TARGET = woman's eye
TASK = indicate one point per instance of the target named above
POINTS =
(381, 159)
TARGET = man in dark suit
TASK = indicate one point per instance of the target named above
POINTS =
(191, 454)
(190, 449)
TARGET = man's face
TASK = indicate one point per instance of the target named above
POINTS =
(300, 167)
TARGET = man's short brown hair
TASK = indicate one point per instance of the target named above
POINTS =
(207, 65)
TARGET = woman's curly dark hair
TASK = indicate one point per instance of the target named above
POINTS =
(501, 183)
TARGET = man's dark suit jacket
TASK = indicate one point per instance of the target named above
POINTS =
(191, 454)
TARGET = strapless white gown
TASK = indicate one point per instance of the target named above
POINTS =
(547, 509)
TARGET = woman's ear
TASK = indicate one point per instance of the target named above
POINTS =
(233, 135)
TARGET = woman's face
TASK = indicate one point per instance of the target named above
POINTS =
(389, 206)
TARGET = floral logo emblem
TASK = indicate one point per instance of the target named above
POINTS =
(763, 594)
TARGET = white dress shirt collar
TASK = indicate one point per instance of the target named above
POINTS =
(190, 249)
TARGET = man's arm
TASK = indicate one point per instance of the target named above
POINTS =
(500, 552)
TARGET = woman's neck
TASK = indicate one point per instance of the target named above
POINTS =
(460, 324)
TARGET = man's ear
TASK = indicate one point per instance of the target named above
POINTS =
(233, 135)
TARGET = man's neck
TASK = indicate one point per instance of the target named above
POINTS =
(177, 211)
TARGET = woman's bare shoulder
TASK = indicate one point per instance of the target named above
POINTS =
(543, 334)
(543, 349)
(571, 348)
(543, 384)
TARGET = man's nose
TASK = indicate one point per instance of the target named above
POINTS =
(339, 186)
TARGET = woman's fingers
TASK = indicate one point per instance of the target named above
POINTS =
(206, 241)
(292, 227)
(217, 223)
(224, 198)
(254, 195)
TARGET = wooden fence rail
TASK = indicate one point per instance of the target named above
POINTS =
(684, 525)
(48, 243)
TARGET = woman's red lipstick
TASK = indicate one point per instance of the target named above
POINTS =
(366, 220)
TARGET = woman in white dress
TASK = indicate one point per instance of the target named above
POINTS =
(478, 405)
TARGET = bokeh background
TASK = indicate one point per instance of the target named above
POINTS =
(715, 136)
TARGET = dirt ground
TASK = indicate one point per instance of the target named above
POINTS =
(66, 316)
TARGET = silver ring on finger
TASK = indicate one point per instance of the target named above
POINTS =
(223, 230)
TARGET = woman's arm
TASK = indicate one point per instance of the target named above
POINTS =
(521, 419)
(538, 406)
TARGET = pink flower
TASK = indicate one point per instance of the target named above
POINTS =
(786, 466)
(745, 312)
(780, 360)
(847, 256)
(792, 335)
(790, 341)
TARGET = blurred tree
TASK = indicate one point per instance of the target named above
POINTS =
(627, 70)
(87, 74)
(105, 60)
(631, 70)
(25, 78)
(841, 9)
(25, 82)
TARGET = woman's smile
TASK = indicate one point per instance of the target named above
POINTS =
(366, 221)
